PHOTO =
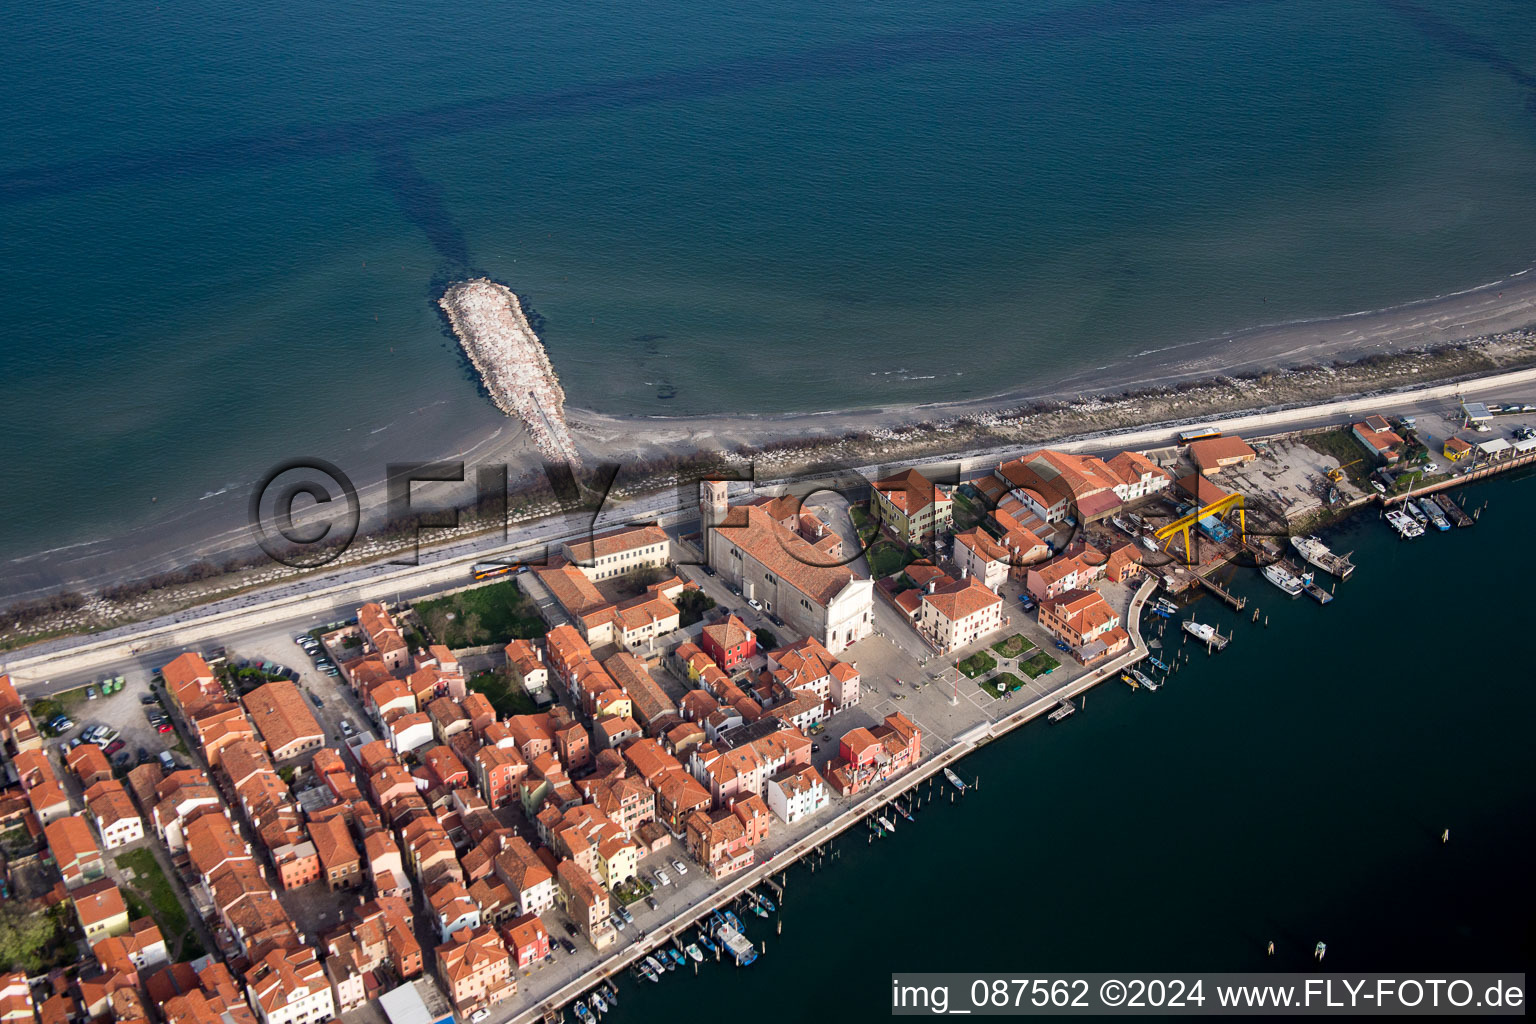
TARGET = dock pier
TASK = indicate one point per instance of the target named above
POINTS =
(1237, 603)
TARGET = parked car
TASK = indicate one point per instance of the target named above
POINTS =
(167, 761)
(755, 604)
(90, 692)
(568, 945)
(571, 929)
(626, 915)
(650, 901)
(148, 698)
(679, 866)
(64, 749)
(163, 727)
(479, 1015)
(617, 921)
(662, 878)
(114, 747)
(315, 699)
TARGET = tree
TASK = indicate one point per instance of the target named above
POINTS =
(26, 938)
(473, 630)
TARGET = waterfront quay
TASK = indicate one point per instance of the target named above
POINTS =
(541, 992)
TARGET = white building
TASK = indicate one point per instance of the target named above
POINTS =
(621, 551)
(290, 987)
(408, 732)
(779, 569)
(959, 613)
(794, 795)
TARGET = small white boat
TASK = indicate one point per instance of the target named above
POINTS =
(1404, 524)
(694, 953)
(885, 823)
(1283, 578)
(1205, 634)
(954, 780)
(1144, 679)
(655, 965)
(598, 1003)
(1417, 513)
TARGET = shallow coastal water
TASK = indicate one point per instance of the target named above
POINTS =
(223, 229)
(1291, 788)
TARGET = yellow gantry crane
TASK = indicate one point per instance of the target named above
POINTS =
(1218, 508)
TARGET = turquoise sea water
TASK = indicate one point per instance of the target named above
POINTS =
(1292, 788)
(222, 225)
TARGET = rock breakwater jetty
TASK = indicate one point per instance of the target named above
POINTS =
(489, 322)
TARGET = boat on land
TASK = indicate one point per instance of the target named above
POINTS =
(694, 953)
(1206, 634)
(1315, 552)
(1403, 523)
(1282, 577)
(954, 780)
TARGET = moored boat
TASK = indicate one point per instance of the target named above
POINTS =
(1315, 552)
(582, 1013)
(694, 953)
(1205, 634)
(1282, 577)
(598, 1002)
(1403, 523)
(705, 940)
(1145, 680)
(656, 967)
(1412, 508)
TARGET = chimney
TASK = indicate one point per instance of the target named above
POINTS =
(932, 584)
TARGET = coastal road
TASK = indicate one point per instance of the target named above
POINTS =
(327, 596)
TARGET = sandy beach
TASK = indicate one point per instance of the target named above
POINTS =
(218, 528)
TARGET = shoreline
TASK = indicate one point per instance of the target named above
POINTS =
(1454, 336)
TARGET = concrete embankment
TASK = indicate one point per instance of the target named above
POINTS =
(489, 322)
(862, 807)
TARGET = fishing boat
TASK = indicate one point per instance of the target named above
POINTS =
(1144, 679)
(1437, 518)
(954, 780)
(1282, 577)
(582, 1013)
(1403, 523)
(1205, 634)
(598, 1002)
(694, 953)
(1314, 591)
(656, 967)
(1315, 552)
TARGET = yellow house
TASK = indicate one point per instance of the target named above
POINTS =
(911, 506)
(618, 859)
(100, 908)
(1456, 449)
